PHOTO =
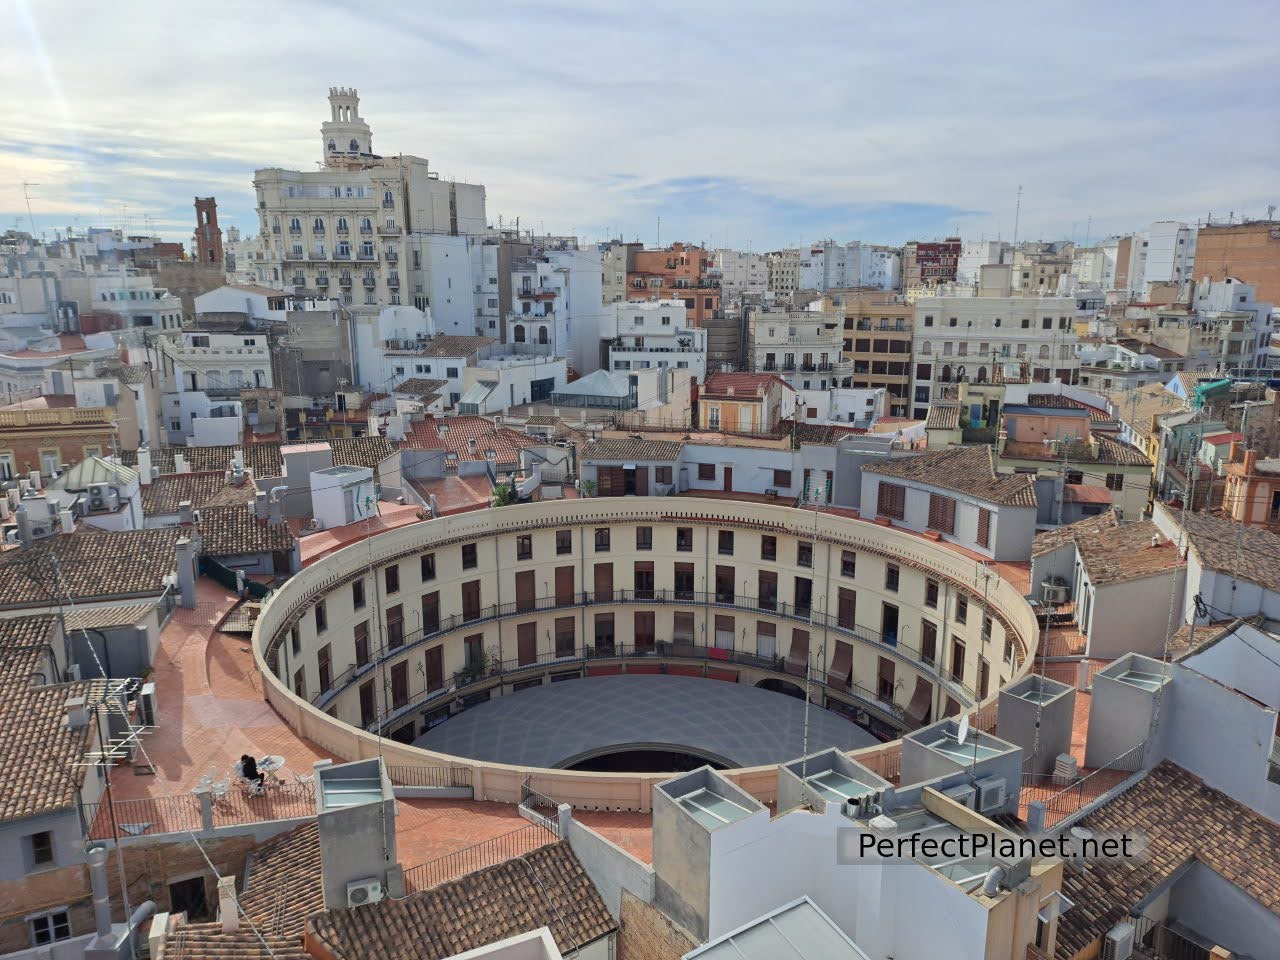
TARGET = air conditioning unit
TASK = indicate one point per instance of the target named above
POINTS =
(147, 705)
(1055, 590)
(361, 893)
(990, 794)
(1118, 943)
(963, 795)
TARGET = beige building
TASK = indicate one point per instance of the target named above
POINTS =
(783, 272)
(360, 227)
(877, 343)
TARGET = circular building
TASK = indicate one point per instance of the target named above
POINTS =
(432, 634)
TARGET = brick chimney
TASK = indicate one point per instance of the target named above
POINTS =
(1250, 462)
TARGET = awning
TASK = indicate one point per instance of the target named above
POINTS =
(921, 701)
(842, 662)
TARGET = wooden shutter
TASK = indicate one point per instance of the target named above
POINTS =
(942, 513)
(399, 684)
(847, 606)
(564, 586)
(604, 582)
(891, 500)
(644, 629)
(527, 643)
(471, 600)
(984, 527)
(525, 589)
(435, 668)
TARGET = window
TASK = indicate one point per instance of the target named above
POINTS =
(524, 546)
(391, 574)
(804, 554)
(602, 539)
(957, 661)
(324, 666)
(357, 595)
(564, 542)
(782, 479)
(322, 617)
(768, 548)
(986, 629)
(684, 581)
(725, 543)
(706, 471)
(295, 640)
(362, 643)
(892, 576)
(644, 538)
(1046, 323)
(395, 626)
(942, 513)
(1115, 481)
(931, 593)
(928, 642)
(891, 500)
(40, 849)
(1075, 477)
(468, 556)
(428, 567)
(724, 584)
(928, 321)
(50, 928)
(846, 608)
(848, 563)
(368, 708)
(662, 474)
(984, 527)
(299, 683)
(962, 609)
(643, 579)
(684, 539)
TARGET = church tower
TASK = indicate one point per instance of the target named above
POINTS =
(346, 137)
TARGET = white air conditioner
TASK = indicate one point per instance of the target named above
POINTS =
(963, 795)
(990, 794)
(1118, 943)
(147, 705)
(1055, 590)
(361, 893)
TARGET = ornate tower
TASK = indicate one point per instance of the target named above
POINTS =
(208, 234)
(345, 136)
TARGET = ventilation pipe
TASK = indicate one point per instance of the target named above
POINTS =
(101, 899)
(275, 512)
(991, 885)
(228, 911)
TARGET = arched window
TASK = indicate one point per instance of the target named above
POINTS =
(387, 198)
(982, 374)
(960, 375)
(295, 225)
(997, 321)
(275, 224)
(333, 146)
(945, 376)
(1044, 351)
(518, 334)
(342, 224)
(318, 224)
(354, 146)
(366, 225)
(542, 335)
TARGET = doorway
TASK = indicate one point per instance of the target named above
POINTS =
(728, 478)
(188, 896)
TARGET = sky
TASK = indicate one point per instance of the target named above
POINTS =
(741, 124)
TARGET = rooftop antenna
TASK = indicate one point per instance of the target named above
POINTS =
(26, 194)
(1017, 216)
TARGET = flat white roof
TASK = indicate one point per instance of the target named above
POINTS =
(795, 931)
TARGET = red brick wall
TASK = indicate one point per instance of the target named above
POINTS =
(1249, 252)
(646, 933)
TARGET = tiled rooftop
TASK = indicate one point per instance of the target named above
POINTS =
(1250, 553)
(741, 386)
(968, 470)
(1126, 552)
(1051, 540)
(608, 450)
(943, 416)
(233, 531)
(1183, 819)
(210, 489)
(90, 566)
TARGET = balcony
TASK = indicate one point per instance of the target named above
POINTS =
(322, 282)
(370, 282)
(391, 256)
(345, 281)
(318, 231)
(295, 231)
(386, 231)
(393, 280)
(366, 256)
(367, 231)
(299, 280)
(58, 417)
(342, 254)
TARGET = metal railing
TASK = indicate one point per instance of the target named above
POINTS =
(1084, 791)
(674, 648)
(148, 815)
(417, 775)
(487, 853)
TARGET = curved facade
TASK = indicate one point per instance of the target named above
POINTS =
(893, 629)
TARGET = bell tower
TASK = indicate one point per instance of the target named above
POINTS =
(345, 137)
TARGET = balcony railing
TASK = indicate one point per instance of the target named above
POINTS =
(487, 853)
(385, 231)
(679, 649)
(56, 417)
(370, 282)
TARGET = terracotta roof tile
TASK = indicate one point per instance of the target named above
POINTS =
(503, 441)
(545, 888)
(361, 451)
(92, 566)
(263, 459)
(1222, 545)
(1183, 819)
(631, 449)
(1126, 552)
(421, 387)
(206, 941)
(284, 883)
(447, 346)
(1096, 414)
(968, 470)
(943, 416)
(165, 494)
(1051, 540)
(818, 434)
(233, 531)
(743, 385)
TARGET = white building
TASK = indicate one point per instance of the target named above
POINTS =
(220, 364)
(129, 293)
(741, 273)
(655, 333)
(1170, 247)
(784, 272)
(497, 382)
(976, 254)
(556, 305)
(984, 333)
(350, 224)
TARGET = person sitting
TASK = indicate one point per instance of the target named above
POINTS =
(250, 772)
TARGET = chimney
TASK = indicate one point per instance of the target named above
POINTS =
(68, 521)
(228, 910)
(260, 505)
(1233, 452)
(186, 514)
(1250, 462)
(186, 555)
(77, 713)
(34, 477)
(180, 463)
(275, 511)
(144, 466)
(24, 526)
(101, 897)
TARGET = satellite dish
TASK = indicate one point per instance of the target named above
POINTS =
(963, 733)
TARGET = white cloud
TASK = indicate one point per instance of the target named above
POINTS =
(817, 114)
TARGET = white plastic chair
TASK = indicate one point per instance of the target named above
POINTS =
(219, 788)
